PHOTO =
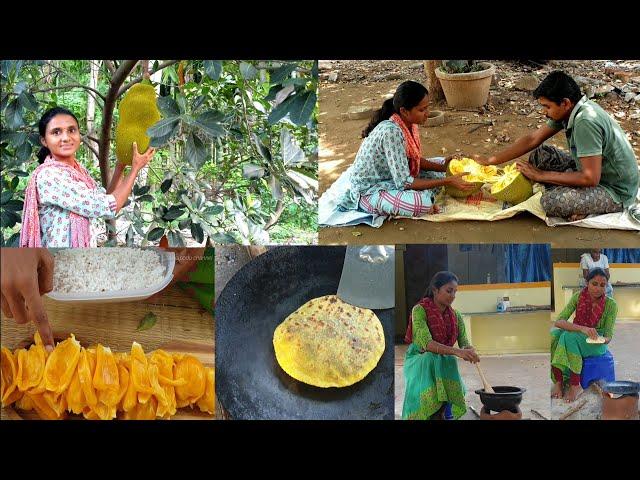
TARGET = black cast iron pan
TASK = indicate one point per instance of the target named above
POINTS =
(249, 382)
(504, 398)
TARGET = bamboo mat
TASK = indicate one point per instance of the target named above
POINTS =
(179, 317)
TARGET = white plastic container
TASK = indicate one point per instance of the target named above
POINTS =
(168, 260)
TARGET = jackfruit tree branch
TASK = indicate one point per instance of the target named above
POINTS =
(110, 67)
(107, 116)
(86, 141)
(166, 64)
(275, 216)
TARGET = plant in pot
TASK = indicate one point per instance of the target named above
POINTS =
(465, 82)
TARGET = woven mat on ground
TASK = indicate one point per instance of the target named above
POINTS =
(482, 206)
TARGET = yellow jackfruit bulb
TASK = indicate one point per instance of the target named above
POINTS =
(138, 112)
(477, 174)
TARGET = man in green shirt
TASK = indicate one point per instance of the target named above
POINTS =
(599, 175)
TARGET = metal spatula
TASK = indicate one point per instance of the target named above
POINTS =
(368, 277)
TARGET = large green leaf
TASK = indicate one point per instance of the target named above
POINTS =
(301, 82)
(209, 123)
(20, 87)
(13, 115)
(8, 219)
(28, 101)
(12, 241)
(214, 210)
(248, 71)
(271, 96)
(175, 239)
(155, 234)
(168, 107)
(145, 198)
(292, 154)
(213, 69)
(23, 152)
(262, 148)
(15, 139)
(197, 233)
(282, 73)
(199, 100)
(182, 102)
(251, 171)
(14, 205)
(302, 107)
(163, 131)
(197, 200)
(173, 213)
(5, 196)
(281, 111)
(162, 127)
(276, 187)
(195, 151)
(166, 185)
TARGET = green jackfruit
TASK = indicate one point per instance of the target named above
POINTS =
(138, 111)
(512, 186)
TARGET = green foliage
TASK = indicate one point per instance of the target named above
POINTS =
(461, 66)
(236, 143)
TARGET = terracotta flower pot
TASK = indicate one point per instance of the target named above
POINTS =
(466, 90)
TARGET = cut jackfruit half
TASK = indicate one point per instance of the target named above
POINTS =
(138, 111)
(511, 186)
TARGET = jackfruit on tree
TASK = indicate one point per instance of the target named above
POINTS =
(138, 112)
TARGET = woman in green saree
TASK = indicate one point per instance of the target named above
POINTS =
(595, 317)
(433, 382)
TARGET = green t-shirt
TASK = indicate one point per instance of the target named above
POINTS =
(591, 131)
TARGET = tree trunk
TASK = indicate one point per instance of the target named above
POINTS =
(435, 89)
(115, 83)
(91, 104)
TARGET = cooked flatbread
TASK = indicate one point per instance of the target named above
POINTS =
(329, 343)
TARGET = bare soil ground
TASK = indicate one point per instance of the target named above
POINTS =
(528, 371)
(514, 113)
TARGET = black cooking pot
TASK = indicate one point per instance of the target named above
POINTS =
(504, 398)
(621, 387)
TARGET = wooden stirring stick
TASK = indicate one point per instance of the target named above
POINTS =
(487, 387)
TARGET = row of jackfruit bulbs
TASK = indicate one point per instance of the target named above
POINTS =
(101, 385)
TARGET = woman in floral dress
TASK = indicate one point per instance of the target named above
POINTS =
(61, 197)
(389, 175)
